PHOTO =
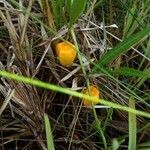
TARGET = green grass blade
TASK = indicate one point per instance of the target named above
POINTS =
(122, 47)
(133, 72)
(115, 144)
(69, 4)
(108, 118)
(77, 8)
(49, 136)
(45, 85)
(129, 20)
(98, 128)
(55, 11)
(132, 127)
(145, 145)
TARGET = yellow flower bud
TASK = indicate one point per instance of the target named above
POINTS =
(94, 92)
(66, 53)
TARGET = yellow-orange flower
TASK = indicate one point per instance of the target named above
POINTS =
(66, 53)
(94, 92)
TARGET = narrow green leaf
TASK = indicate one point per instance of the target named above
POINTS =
(122, 47)
(115, 144)
(53, 87)
(77, 8)
(69, 4)
(132, 127)
(55, 10)
(98, 128)
(145, 144)
(49, 136)
(129, 20)
(133, 72)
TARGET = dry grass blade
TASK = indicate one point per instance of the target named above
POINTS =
(6, 101)
(12, 32)
(48, 15)
(25, 21)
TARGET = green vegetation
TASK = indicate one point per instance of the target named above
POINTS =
(49, 136)
(41, 103)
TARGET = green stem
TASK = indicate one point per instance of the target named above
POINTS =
(88, 86)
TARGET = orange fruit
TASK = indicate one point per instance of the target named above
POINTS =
(93, 92)
(66, 53)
